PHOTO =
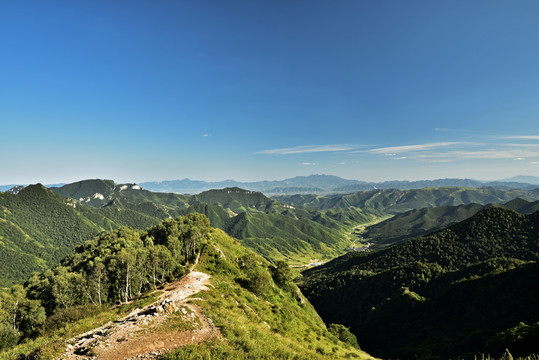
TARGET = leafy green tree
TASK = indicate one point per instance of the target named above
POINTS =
(8, 336)
(21, 315)
(343, 333)
(281, 274)
(257, 278)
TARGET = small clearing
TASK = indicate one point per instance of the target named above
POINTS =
(145, 333)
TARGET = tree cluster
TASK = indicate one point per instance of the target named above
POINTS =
(112, 267)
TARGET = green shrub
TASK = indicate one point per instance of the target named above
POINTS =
(8, 337)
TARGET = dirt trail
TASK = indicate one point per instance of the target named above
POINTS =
(144, 334)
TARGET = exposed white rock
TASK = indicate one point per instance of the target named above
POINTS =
(98, 196)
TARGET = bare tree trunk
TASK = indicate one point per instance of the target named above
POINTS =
(15, 317)
(99, 290)
(126, 282)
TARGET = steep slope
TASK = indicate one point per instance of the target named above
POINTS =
(419, 222)
(254, 310)
(416, 223)
(434, 282)
(277, 236)
(278, 231)
(38, 228)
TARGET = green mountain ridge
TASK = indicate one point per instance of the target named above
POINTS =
(397, 201)
(376, 294)
(387, 291)
(258, 310)
(39, 227)
(33, 237)
(277, 230)
(419, 222)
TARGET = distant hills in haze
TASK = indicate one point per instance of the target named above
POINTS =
(523, 179)
(327, 184)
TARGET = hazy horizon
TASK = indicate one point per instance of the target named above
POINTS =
(249, 181)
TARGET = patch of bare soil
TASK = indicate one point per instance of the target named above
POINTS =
(146, 333)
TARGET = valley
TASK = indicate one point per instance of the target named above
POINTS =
(374, 262)
(269, 180)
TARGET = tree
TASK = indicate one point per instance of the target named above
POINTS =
(257, 279)
(343, 333)
(281, 274)
(18, 313)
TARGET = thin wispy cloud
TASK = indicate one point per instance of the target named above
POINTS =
(455, 151)
(522, 145)
(448, 130)
(308, 164)
(524, 137)
(308, 149)
(205, 135)
(393, 150)
(486, 154)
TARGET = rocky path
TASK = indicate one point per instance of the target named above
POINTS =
(144, 334)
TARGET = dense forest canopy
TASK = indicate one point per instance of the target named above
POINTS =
(472, 270)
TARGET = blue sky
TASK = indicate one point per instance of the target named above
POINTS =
(249, 90)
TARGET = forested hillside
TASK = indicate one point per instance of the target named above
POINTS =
(256, 307)
(273, 229)
(36, 237)
(419, 222)
(397, 201)
(463, 289)
(38, 228)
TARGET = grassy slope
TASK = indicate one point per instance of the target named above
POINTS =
(272, 323)
(280, 324)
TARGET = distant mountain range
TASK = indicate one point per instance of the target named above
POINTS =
(327, 184)
(318, 184)
(523, 179)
